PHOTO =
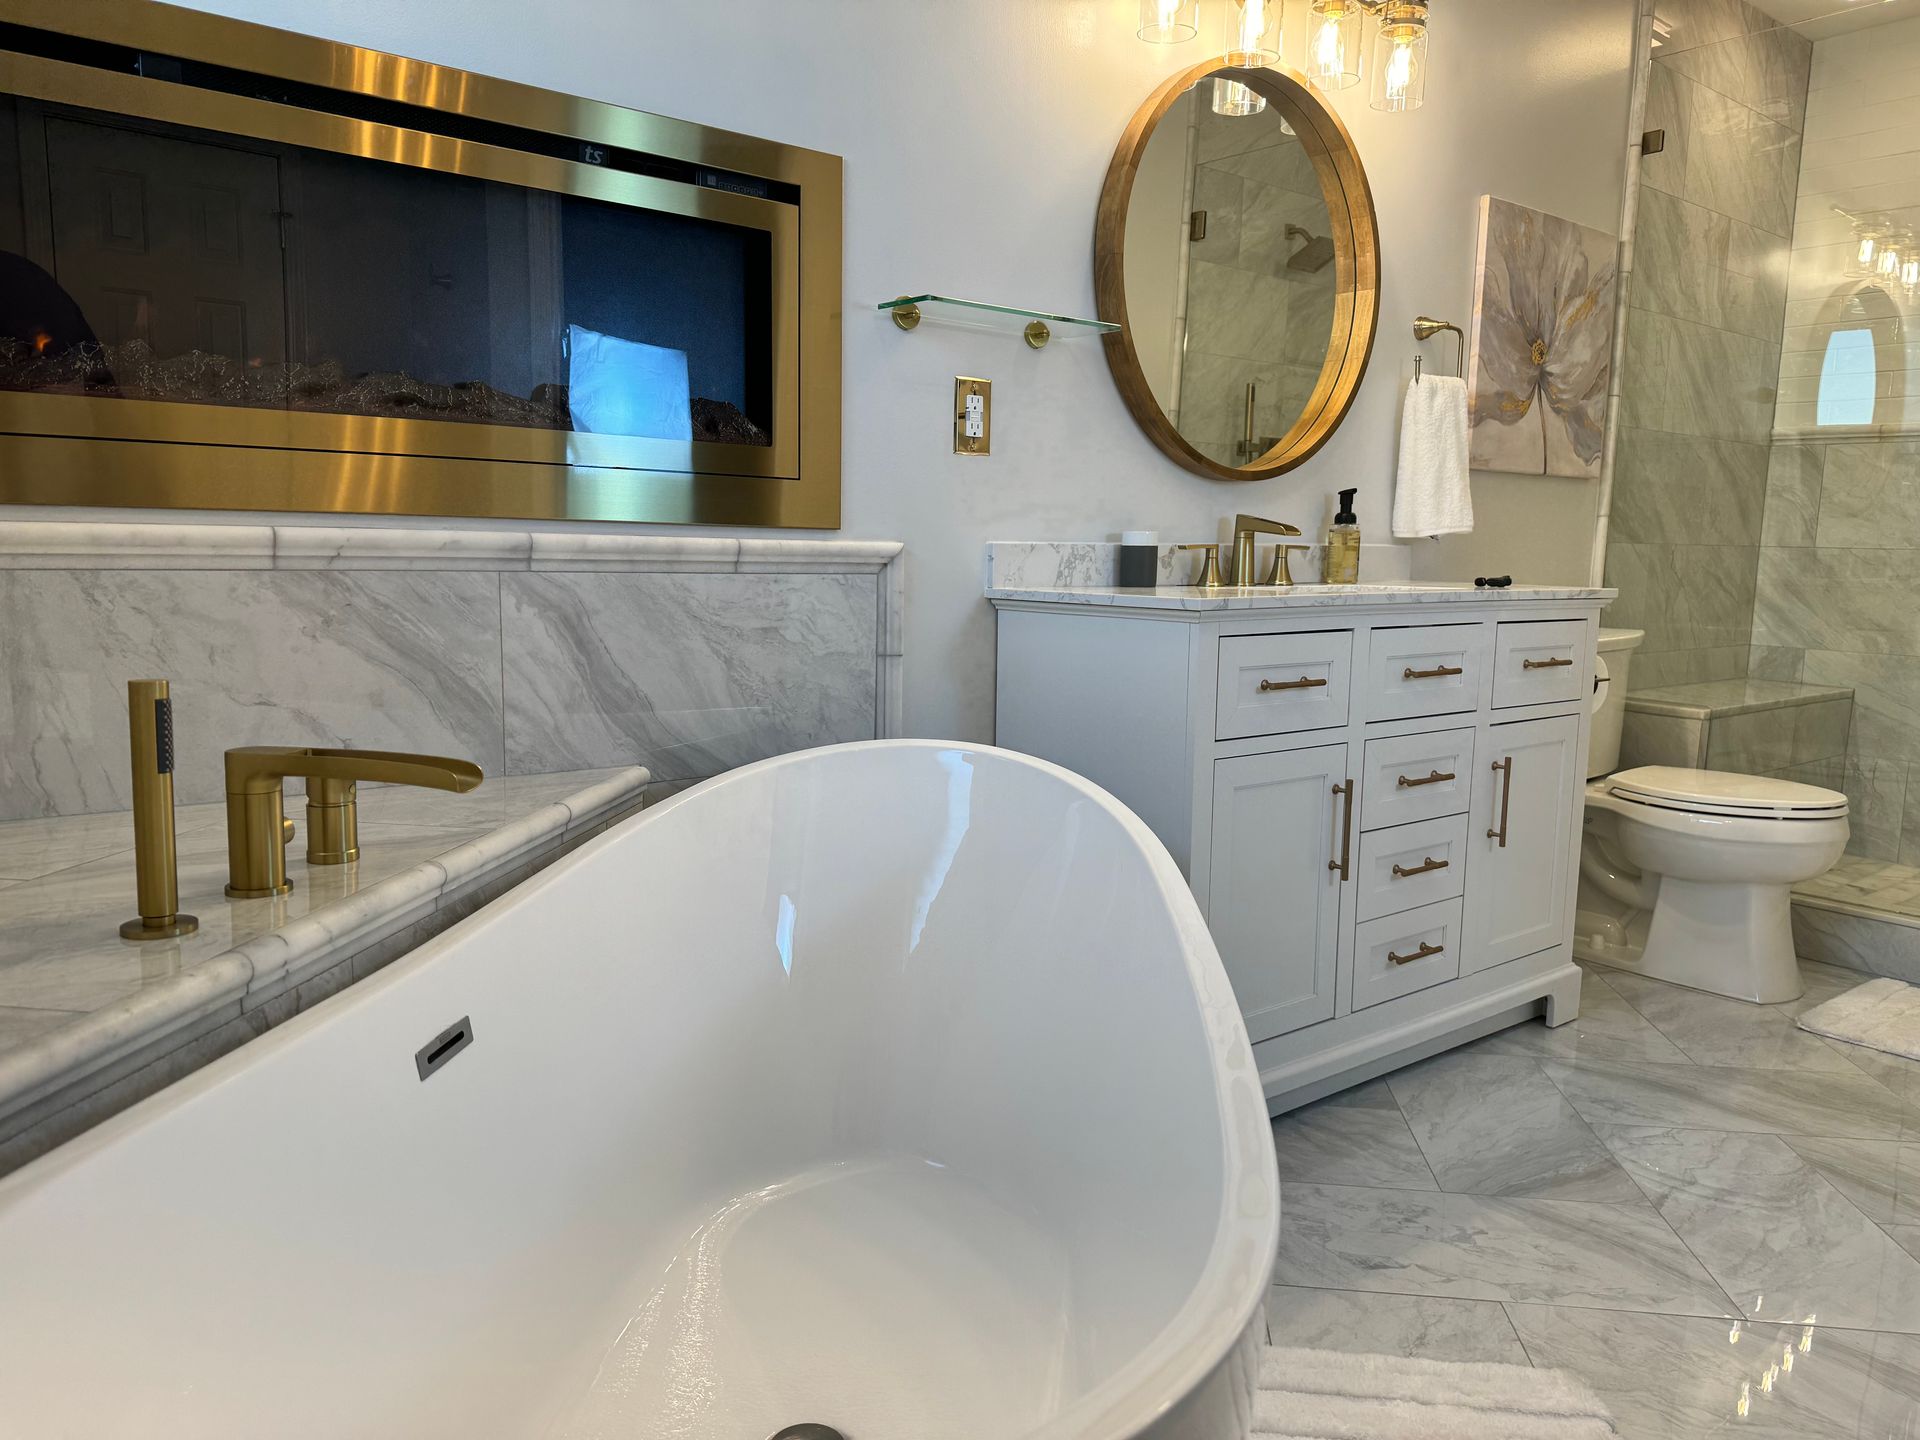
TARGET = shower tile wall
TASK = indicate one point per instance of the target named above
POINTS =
(1251, 319)
(1840, 550)
(1707, 292)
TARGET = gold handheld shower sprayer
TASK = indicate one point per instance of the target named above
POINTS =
(155, 862)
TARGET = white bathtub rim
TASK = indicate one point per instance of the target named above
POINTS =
(1225, 1296)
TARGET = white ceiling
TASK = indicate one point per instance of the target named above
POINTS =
(1817, 19)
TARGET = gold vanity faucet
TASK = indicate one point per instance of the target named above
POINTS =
(1245, 528)
(257, 827)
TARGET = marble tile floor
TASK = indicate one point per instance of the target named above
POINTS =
(1708, 1214)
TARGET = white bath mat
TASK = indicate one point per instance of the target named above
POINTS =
(1881, 1014)
(1323, 1395)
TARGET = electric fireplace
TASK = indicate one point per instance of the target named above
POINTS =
(245, 269)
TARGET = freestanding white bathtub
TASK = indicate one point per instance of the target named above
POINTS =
(894, 1087)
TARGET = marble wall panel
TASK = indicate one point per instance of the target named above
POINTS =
(392, 638)
(1870, 496)
(684, 674)
(1795, 476)
(1680, 488)
(392, 660)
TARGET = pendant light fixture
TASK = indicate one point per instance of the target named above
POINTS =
(1168, 22)
(1400, 56)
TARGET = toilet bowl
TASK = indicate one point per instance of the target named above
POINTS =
(1687, 875)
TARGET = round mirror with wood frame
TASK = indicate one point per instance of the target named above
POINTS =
(1237, 249)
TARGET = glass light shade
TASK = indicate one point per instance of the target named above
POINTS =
(1866, 254)
(1400, 57)
(1230, 97)
(1888, 265)
(1168, 22)
(1253, 33)
(1334, 37)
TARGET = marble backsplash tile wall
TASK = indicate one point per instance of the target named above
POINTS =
(1708, 296)
(527, 653)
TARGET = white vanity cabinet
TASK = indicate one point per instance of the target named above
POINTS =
(1375, 794)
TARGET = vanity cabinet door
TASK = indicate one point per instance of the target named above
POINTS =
(1526, 792)
(1273, 900)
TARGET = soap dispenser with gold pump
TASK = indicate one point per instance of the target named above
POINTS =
(1340, 561)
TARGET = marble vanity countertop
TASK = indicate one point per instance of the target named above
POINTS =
(78, 1002)
(1292, 597)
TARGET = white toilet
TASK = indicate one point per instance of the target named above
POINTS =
(1687, 875)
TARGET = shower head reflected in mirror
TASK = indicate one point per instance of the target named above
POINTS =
(1312, 256)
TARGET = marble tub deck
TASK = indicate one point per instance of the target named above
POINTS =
(90, 1022)
(1707, 1213)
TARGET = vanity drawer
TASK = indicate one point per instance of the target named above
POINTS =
(1270, 684)
(1426, 942)
(1537, 662)
(1416, 777)
(1424, 670)
(1411, 865)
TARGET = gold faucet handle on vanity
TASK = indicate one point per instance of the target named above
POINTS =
(1245, 528)
(257, 827)
(1210, 568)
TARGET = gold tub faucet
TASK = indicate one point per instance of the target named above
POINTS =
(155, 861)
(257, 827)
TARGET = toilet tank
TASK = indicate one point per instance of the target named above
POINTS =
(1610, 698)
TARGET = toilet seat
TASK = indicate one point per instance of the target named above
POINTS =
(1719, 792)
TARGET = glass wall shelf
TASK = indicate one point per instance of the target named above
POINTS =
(1037, 326)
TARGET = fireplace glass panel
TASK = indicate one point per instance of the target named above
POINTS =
(151, 261)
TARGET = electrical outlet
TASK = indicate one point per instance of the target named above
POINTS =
(972, 416)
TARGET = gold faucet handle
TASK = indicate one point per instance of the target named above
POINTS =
(1254, 525)
(1210, 566)
(1280, 574)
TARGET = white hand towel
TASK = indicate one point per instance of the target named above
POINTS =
(1431, 495)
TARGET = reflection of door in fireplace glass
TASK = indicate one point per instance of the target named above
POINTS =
(217, 270)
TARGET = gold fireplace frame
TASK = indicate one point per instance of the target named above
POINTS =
(104, 451)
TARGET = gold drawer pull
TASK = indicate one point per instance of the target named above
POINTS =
(1422, 868)
(1421, 954)
(1544, 664)
(1303, 683)
(1434, 777)
(1505, 770)
(1343, 866)
(1434, 674)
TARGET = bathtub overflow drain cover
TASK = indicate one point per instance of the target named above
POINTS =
(808, 1432)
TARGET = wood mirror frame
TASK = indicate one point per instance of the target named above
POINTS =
(1356, 238)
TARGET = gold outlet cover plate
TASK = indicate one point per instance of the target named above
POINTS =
(972, 416)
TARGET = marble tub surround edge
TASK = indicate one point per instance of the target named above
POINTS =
(55, 1085)
(440, 640)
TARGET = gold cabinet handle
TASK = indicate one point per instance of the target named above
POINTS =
(1400, 873)
(1553, 664)
(1433, 777)
(1340, 866)
(1505, 767)
(1422, 953)
(1303, 683)
(1434, 674)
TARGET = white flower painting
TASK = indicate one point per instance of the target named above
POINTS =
(1542, 350)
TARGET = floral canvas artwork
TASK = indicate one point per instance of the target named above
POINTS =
(1542, 346)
